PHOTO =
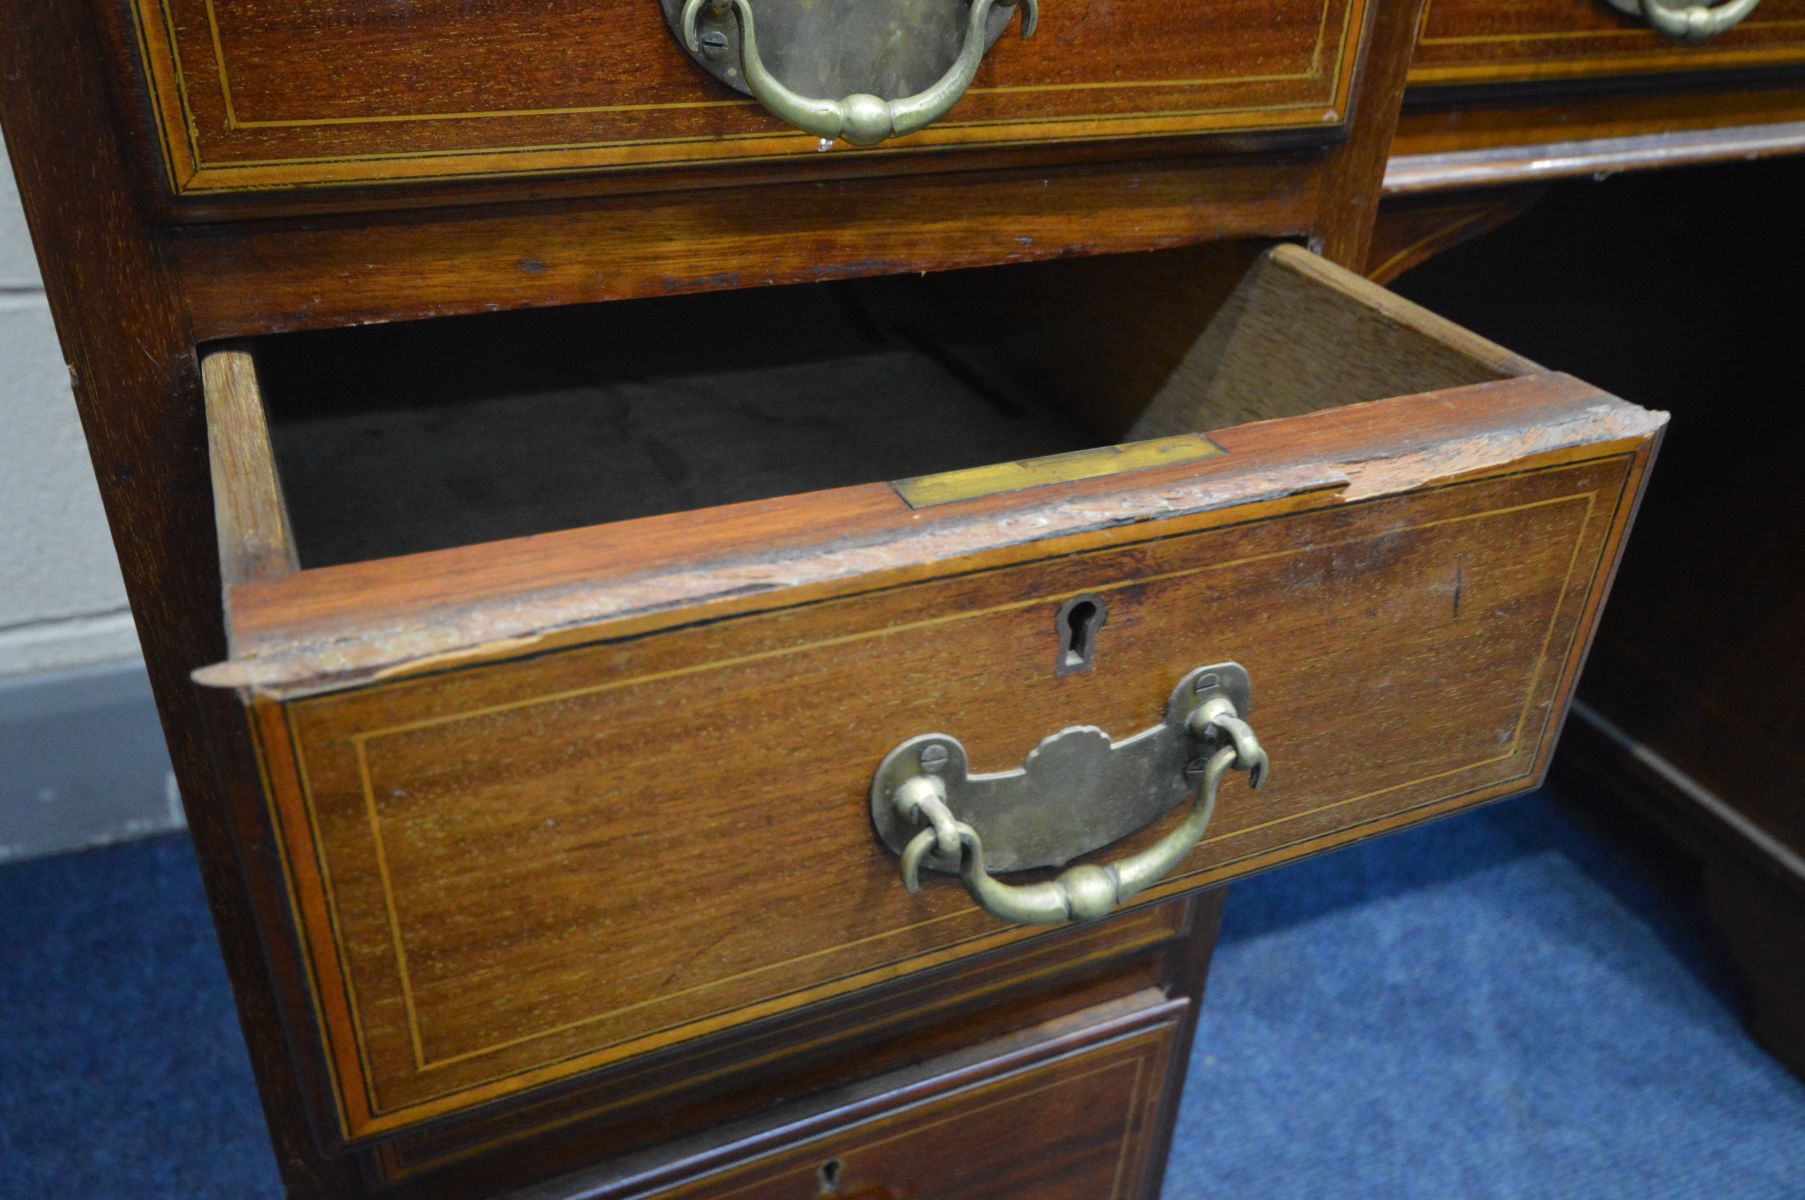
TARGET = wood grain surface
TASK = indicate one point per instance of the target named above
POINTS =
(123, 328)
(476, 824)
(1752, 883)
(1453, 140)
(628, 1110)
(243, 279)
(335, 626)
(1414, 228)
(257, 95)
(646, 744)
(1496, 41)
(1080, 1107)
(132, 299)
(468, 846)
(1224, 334)
(249, 513)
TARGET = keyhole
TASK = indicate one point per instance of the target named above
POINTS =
(1079, 621)
(829, 1175)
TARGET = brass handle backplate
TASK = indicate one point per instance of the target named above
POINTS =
(1076, 792)
(902, 37)
(1687, 22)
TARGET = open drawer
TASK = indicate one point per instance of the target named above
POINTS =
(566, 724)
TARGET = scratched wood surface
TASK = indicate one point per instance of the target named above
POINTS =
(1497, 41)
(1478, 138)
(394, 440)
(689, 809)
(471, 824)
(254, 95)
(131, 300)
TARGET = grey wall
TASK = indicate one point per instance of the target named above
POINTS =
(81, 760)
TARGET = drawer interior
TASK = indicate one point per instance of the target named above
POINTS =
(392, 440)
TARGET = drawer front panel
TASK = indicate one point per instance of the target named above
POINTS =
(878, 1031)
(257, 95)
(1485, 41)
(1070, 1119)
(511, 872)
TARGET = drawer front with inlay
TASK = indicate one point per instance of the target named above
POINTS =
(547, 804)
(526, 867)
(283, 94)
(1069, 1118)
(1485, 41)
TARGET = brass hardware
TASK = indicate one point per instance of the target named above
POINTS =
(925, 491)
(897, 32)
(1687, 22)
(1075, 793)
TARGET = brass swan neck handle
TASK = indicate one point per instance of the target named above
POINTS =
(1078, 791)
(861, 119)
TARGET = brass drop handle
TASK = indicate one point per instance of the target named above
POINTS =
(1690, 23)
(1080, 768)
(863, 120)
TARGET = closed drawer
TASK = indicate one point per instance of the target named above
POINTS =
(536, 805)
(1488, 41)
(255, 94)
(1078, 1099)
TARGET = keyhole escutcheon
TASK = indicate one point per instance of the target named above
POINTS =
(1079, 620)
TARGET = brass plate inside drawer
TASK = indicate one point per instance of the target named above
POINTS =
(949, 487)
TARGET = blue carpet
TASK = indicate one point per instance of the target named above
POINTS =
(122, 1071)
(1499, 1005)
